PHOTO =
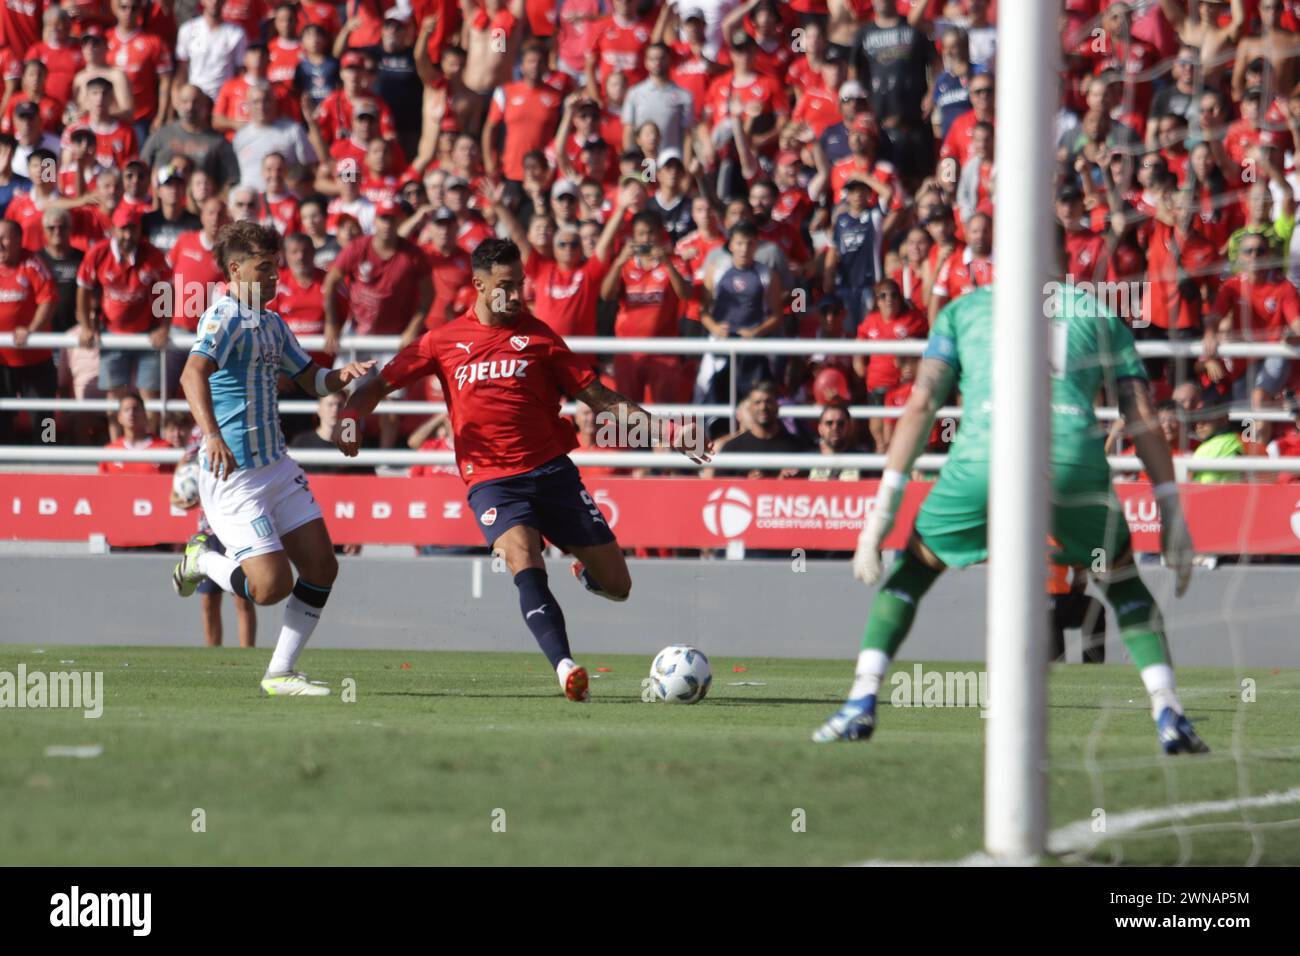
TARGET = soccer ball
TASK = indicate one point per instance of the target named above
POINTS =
(680, 674)
(185, 483)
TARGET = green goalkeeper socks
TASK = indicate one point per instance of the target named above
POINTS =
(1140, 624)
(894, 608)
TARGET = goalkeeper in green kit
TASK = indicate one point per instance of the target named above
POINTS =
(1089, 348)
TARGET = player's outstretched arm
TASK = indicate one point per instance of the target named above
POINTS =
(689, 439)
(347, 430)
(934, 378)
(1143, 426)
(198, 392)
(319, 381)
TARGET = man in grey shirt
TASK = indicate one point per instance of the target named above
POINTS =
(659, 100)
(265, 134)
(192, 136)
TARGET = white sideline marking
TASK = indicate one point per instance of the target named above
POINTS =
(1079, 836)
(84, 752)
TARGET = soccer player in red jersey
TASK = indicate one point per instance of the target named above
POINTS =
(504, 372)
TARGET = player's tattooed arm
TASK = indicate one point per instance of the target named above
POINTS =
(688, 438)
(934, 380)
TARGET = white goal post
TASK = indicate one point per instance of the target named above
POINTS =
(1015, 751)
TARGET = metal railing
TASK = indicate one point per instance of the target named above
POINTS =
(730, 348)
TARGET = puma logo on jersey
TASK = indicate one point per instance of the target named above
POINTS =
(463, 345)
(480, 371)
(536, 610)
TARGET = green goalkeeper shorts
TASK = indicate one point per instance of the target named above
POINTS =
(1087, 519)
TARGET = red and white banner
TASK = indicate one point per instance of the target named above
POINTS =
(645, 512)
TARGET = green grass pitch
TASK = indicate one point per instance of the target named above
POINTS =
(475, 758)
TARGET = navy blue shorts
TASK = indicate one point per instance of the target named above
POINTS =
(549, 499)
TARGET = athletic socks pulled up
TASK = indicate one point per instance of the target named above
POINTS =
(224, 572)
(543, 616)
(301, 615)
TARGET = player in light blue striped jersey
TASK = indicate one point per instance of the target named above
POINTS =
(255, 496)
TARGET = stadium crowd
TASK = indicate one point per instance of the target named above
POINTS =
(699, 168)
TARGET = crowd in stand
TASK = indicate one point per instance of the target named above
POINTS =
(731, 169)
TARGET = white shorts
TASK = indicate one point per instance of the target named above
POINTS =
(255, 507)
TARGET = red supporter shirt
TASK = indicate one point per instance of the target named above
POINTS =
(284, 58)
(531, 114)
(1086, 252)
(1166, 307)
(115, 143)
(471, 232)
(51, 112)
(24, 211)
(620, 48)
(144, 58)
(302, 306)
(759, 96)
(692, 73)
(693, 250)
(23, 287)
(850, 167)
(452, 286)
(383, 292)
(819, 108)
(788, 237)
(503, 387)
(1262, 309)
(20, 22)
(334, 117)
(127, 287)
(960, 273)
(957, 143)
(566, 299)
(882, 370)
(648, 306)
(912, 285)
(281, 213)
(196, 280)
(136, 467)
(63, 63)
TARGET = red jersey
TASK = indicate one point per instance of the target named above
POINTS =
(788, 237)
(20, 23)
(882, 370)
(503, 386)
(471, 231)
(50, 110)
(284, 56)
(383, 292)
(819, 108)
(281, 213)
(615, 47)
(566, 299)
(758, 96)
(693, 250)
(63, 64)
(451, 285)
(961, 273)
(648, 306)
(1086, 252)
(957, 143)
(136, 467)
(334, 117)
(23, 287)
(1262, 308)
(115, 143)
(302, 306)
(245, 14)
(531, 115)
(693, 73)
(126, 287)
(144, 58)
(850, 167)
(197, 282)
(912, 285)
(232, 101)
(24, 211)
(1168, 257)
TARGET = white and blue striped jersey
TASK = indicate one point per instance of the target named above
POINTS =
(250, 350)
